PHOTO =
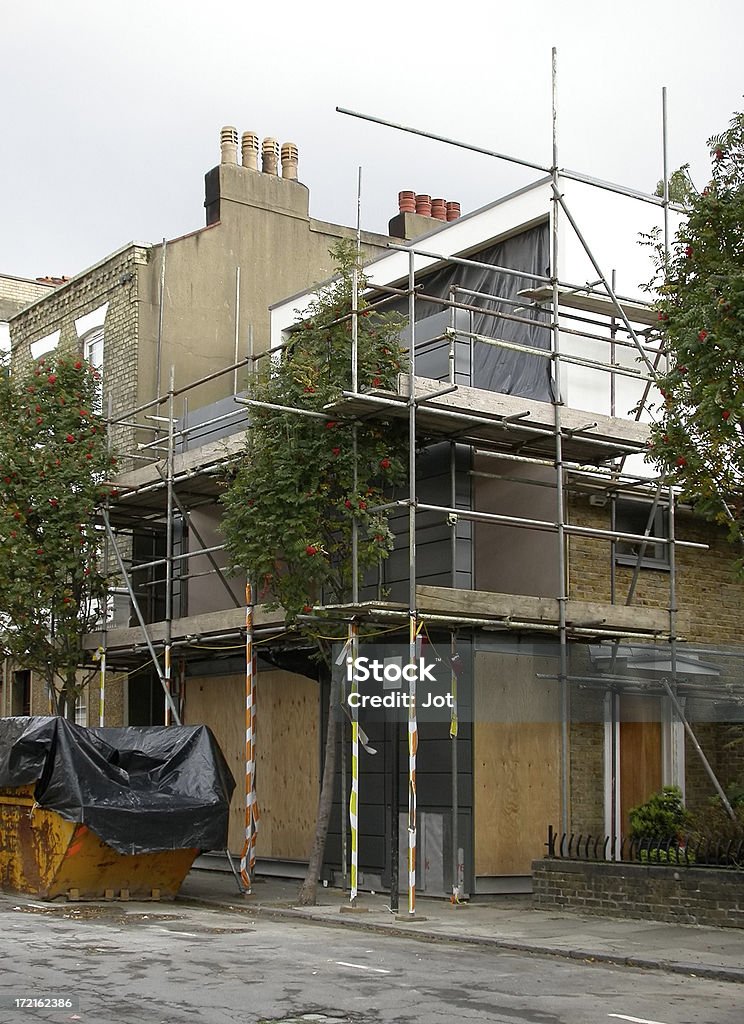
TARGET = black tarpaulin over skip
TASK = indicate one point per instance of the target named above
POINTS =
(139, 789)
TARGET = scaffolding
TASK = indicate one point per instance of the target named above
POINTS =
(170, 474)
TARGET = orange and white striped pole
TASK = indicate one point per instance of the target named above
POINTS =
(248, 856)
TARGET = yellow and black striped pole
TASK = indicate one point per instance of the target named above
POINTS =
(353, 643)
(412, 750)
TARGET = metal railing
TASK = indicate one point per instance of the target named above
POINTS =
(685, 851)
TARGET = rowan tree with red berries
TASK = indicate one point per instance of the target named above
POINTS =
(54, 461)
(305, 481)
(698, 436)
(294, 497)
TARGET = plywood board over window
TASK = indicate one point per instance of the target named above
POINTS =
(517, 758)
(287, 768)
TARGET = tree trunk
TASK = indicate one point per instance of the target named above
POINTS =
(309, 892)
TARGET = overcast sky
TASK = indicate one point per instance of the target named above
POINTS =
(111, 112)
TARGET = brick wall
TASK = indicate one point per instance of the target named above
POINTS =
(707, 896)
(17, 292)
(115, 281)
(707, 587)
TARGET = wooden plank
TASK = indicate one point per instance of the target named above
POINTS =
(581, 614)
(636, 312)
(219, 702)
(516, 761)
(288, 769)
(287, 760)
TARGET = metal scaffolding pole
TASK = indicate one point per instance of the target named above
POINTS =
(559, 476)
(140, 618)
(169, 545)
(413, 626)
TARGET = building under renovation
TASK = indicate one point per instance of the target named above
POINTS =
(572, 603)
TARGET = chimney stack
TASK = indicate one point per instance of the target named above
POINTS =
(290, 161)
(416, 213)
(229, 145)
(250, 150)
(270, 156)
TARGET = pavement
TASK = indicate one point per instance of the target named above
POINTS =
(502, 922)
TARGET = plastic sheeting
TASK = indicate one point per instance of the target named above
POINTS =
(494, 368)
(140, 790)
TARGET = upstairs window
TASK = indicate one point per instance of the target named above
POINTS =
(93, 353)
(632, 517)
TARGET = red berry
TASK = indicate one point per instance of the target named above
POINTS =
(682, 369)
(307, 608)
(53, 502)
(362, 504)
(89, 456)
(681, 461)
(385, 463)
(376, 382)
(726, 413)
(311, 550)
(688, 251)
(702, 335)
(331, 424)
(40, 551)
(70, 438)
(308, 390)
(52, 379)
(336, 451)
(84, 412)
(347, 503)
(39, 420)
(718, 154)
(78, 365)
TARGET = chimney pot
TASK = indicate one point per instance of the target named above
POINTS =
(290, 161)
(439, 209)
(453, 211)
(270, 156)
(407, 202)
(229, 145)
(423, 205)
(250, 150)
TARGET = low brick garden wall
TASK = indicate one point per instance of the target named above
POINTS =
(709, 896)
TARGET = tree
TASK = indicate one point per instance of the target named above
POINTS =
(680, 186)
(304, 481)
(54, 461)
(699, 432)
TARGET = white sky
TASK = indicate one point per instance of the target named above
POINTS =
(111, 112)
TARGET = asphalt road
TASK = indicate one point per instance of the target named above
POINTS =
(176, 964)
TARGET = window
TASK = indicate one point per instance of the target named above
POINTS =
(93, 354)
(632, 517)
(81, 710)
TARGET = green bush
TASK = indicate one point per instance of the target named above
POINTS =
(662, 818)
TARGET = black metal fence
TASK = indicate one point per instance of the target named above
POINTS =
(690, 851)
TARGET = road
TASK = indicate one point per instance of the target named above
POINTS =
(183, 964)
